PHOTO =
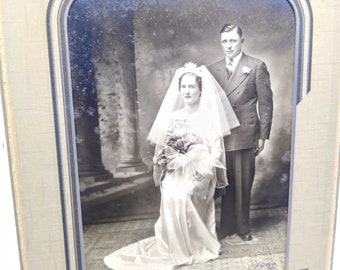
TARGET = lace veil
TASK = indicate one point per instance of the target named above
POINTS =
(217, 117)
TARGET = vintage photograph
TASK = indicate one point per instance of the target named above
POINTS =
(183, 114)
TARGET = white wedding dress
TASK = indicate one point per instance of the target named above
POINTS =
(185, 231)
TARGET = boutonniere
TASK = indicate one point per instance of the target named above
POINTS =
(246, 70)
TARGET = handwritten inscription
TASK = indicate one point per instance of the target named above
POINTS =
(265, 266)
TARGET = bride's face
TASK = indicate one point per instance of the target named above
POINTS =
(189, 89)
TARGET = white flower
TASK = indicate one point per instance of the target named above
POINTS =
(246, 70)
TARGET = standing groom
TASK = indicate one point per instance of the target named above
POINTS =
(246, 82)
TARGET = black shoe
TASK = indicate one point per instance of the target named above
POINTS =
(246, 237)
(220, 234)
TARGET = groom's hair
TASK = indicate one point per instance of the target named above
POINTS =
(230, 27)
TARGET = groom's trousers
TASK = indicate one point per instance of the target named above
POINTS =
(235, 203)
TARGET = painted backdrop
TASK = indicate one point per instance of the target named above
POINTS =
(120, 44)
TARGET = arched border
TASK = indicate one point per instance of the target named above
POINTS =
(57, 15)
(76, 220)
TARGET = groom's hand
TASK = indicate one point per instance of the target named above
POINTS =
(259, 147)
(219, 192)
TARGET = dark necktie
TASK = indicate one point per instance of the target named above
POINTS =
(229, 67)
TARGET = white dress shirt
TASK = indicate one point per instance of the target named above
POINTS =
(235, 61)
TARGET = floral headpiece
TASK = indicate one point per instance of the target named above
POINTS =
(192, 67)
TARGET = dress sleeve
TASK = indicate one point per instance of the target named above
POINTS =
(158, 170)
(216, 149)
(217, 154)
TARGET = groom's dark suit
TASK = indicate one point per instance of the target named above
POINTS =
(249, 92)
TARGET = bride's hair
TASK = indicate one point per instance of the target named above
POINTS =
(197, 78)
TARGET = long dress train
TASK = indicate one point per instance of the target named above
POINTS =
(185, 231)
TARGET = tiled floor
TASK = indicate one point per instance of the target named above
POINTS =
(265, 251)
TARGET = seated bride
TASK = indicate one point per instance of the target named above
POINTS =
(189, 163)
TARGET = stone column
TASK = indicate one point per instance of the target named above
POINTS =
(103, 63)
(90, 166)
(128, 119)
(126, 89)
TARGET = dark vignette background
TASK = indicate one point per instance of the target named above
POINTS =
(164, 35)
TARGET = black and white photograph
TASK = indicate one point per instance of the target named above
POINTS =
(169, 134)
(183, 116)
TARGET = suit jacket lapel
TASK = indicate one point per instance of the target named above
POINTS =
(238, 76)
(222, 74)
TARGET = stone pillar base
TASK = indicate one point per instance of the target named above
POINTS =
(96, 177)
(132, 166)
(94, 173)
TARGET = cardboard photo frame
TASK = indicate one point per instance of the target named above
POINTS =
(69, 168)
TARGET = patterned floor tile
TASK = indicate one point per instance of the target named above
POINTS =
(265, 251)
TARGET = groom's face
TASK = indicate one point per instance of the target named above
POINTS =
(231, 43)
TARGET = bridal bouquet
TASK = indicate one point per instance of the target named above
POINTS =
(176, 146)
(184, 151)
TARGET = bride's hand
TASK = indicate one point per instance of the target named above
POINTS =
(201, 182)
(196, 189)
